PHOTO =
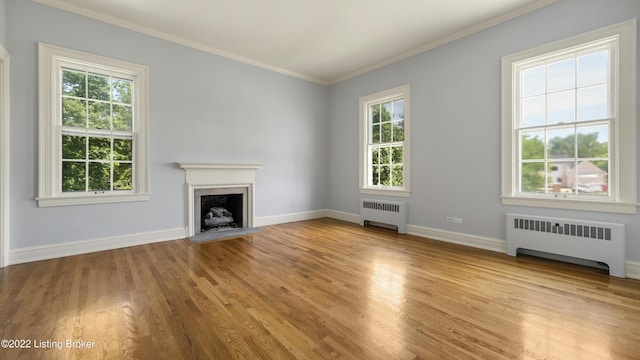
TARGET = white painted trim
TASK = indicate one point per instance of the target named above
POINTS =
(623, 144)
(447, 39)
(291, 217)
(344, 216)
(79, 10)
(5, 115)
(363, 121)
(475, 241)
(207, 175)
(50, 59)
(633, 269)
(45, 252)
(480, 242)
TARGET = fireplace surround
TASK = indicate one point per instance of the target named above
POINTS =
(205, 179)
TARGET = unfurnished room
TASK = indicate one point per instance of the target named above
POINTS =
(319, 179)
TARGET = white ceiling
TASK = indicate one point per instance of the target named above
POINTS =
(325, 41)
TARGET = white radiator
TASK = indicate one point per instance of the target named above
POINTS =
(590, 240)
(384, 212)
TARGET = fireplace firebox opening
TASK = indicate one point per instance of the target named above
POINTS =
(221, 212)
(218, 209)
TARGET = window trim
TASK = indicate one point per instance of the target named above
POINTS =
(623, 149)
(51, 59)
(364, 102)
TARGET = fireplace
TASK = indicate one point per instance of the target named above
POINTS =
(217, 209)
(218, 196)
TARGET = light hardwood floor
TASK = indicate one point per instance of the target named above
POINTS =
(320, 289)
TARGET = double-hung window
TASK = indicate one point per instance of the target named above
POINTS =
(384, 142)
(569, 123)
(93, 129)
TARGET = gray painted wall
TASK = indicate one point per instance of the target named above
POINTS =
(456, 123)
(204, 108)
(3, 20)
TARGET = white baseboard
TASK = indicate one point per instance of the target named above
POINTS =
(633, 269)
(479, 242)
(45, 252)
(286, 218)
(486, 243)
(344, 216)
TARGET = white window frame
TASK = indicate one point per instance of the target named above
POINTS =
(364, 166)
(622, 152)
(51, 61)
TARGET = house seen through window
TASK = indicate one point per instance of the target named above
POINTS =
(569, 123)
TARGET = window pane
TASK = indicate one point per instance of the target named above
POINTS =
(396, 155)
(375, 175)
(533, 81)
(532, 177)
(74, 112)
(374, 156)
(592, 177)
(386, 132)
(387, 110)
(123, 149)
(99, 148)
(561, 107)
(98, 87)
(384, 156)
(99, 176)
(99, 115)
(73, 83)
(593, 103)
(561, 143)
(593, 141)
(533, 111)
(375, 134)
(561, 176)
(592, 68)
(122, 176)
(121, 91)
(397, 175)
(73, 176)
(122, 117)
(74, 147)
(561, 75)
(375, 113)
(398, 130)
(532, 145)
(385, 175)
(398, 109)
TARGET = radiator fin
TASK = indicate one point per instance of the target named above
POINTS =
(392, 207)
(587, 231)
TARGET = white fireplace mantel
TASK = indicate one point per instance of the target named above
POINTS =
(212, 175)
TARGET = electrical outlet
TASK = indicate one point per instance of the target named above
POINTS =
(454, 220)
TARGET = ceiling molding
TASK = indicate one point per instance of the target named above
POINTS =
(447, 39)
(79, 10)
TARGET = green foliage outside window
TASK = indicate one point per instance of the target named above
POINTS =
(95, 106)
(586, 146)
(387, 127)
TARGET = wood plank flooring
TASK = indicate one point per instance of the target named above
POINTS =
(320, 289)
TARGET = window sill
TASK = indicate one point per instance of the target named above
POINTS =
(90, 199)
(386, 192)
(572, 204)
